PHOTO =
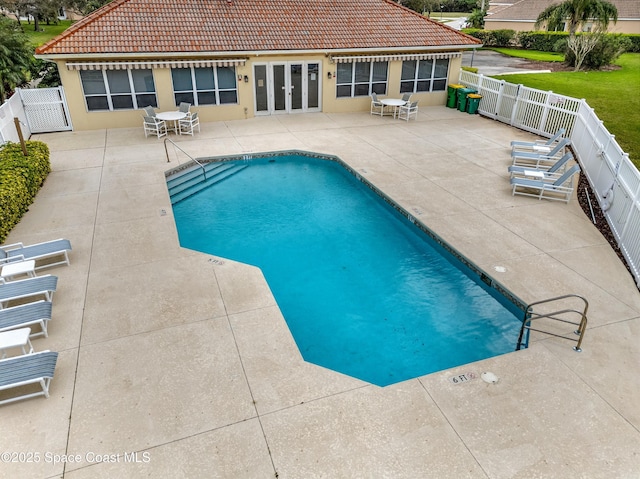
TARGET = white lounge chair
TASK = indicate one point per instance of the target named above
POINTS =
(538, 144)
(37, 251)
(543, 171)
(21, 371)
(27, 315)
(540, 160)
(28, 288)
(559, 190)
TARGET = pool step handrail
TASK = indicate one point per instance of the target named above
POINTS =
(166, 150)
(194, 184)
(530, 315)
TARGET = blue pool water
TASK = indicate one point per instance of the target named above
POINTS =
(363, 291)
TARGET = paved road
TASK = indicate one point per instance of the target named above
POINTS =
(489, 62)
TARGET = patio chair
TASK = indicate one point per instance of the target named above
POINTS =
(546, 172)
(153, 126)
(406, 111)
(37, 252)
(27, 315)
(27, 288)
(149, 111)
(185, 108)
(537, 144)
(188, 124)
(406, 97)
(377, 108)
(560, 190)
(548, 156)
(25, 370)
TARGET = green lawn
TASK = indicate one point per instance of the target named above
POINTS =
(49, 31)
(531, 54)
(614, 95)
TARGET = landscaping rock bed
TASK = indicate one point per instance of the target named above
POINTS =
(589, 204)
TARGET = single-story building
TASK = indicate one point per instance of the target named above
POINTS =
(234, 59)
(521, 15)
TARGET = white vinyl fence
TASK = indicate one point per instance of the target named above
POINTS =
(10, 109)
(612, 177)
(39, 110)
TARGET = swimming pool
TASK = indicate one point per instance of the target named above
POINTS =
(363, 290)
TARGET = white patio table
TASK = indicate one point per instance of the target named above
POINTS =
(15, 338)
(173, 116)
(394, 102)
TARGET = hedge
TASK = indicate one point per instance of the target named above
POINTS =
(21, 177)
(541, 41)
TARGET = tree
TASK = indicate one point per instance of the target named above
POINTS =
(476, 18)
(39, 10)
(577, 14)
(16, 54)
(84, 7)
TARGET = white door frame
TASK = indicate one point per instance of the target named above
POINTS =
(288, 87)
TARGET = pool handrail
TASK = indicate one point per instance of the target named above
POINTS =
(204, 172)
(529, 316)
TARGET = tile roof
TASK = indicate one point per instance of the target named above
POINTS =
(205, 26)
(530, 9)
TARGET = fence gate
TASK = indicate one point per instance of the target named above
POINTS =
(46, 109)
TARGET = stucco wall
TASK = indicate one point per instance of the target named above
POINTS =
(85, 120)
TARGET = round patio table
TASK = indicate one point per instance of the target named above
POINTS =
(394, 102)
(172, 116)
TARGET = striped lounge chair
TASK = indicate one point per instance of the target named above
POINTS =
(28, 288)
(38, 251)
(19, 371)
(27, 315)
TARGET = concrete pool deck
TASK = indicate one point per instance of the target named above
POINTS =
(174, 363)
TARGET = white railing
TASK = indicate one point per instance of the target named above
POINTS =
(612, 177)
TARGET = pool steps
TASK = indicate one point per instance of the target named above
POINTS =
(190, 181)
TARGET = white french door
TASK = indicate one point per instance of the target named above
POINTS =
(286, 87)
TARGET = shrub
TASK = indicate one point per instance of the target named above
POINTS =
(541, 41)
(634, 42)
(20, 180)
(504, 38)
(608, 49)
(492, 38)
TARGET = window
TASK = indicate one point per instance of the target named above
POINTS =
(361, 79)
(424, 75)
(205, 86)
(118, 89)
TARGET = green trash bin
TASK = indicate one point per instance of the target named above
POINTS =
(473, 101)
(462, 97)
(451, 95)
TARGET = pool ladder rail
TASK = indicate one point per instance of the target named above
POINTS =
(196, 175)
(560, 315)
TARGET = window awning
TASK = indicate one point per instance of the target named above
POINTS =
(227, 62)
(399, 57)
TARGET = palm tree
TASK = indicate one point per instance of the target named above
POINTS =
(476, 18)
(16, 54)
(576, 13)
